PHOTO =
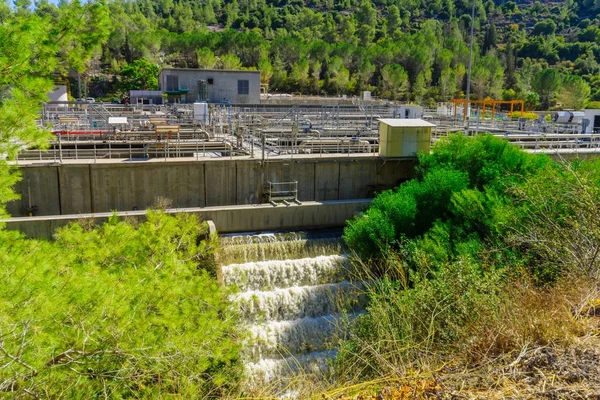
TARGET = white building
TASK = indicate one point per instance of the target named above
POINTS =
(593, 115)
(186, 85)
(59, 93)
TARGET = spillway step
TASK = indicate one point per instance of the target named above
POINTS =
(271, 371)
(270, 275)
(280, 339)
(301, 302)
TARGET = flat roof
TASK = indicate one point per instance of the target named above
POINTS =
(406, 122)
(210, 70)
(117, 121)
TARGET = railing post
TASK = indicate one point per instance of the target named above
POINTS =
(60, 147)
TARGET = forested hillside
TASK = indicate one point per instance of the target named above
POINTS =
(412, 50)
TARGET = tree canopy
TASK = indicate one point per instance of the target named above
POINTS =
(424, 38)
(116, 311)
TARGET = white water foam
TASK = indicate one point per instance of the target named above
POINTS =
(293, 293)
(265, 250)
(269, 370)
(269, 275)
(305, 335)
(300, 301)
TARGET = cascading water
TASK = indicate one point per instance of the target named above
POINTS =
(296, 294)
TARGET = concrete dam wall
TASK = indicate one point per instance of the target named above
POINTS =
(79, 187)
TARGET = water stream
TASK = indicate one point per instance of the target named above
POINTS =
(297, 297)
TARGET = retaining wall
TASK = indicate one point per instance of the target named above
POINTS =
(123, 185)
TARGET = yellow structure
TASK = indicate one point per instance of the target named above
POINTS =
(484, 103)
(400, 137)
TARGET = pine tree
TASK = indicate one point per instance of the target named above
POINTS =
(509, 66)
(490, 40)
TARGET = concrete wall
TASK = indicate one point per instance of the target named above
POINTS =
(226, 219)
(123, 186)
(224, 86)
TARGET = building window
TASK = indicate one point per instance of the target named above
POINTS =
(172, 83)
(243, 87)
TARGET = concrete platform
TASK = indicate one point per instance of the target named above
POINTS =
(227, 219)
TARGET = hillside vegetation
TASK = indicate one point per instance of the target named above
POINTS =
(402, 50)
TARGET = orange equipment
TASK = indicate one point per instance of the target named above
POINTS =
(485, 103)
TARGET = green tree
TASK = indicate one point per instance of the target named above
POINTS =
(231, 13)
(545, 28)
(419, 88)
(490, 40)
(341, 79)
(393, 20)
(139, 75)
(134, 312)
(395, 81)
(574, 92)
(315, 82)
(510, 65)
(546, 83)
(487, 77)
(525, 75)
(230, 61)
(299, 75)
(34, 48)
(206, 58)
(365, 73)
(266, 70)
(279, 78)
(347, 29)
(532, 101)
(447, 84)
(367, 21)
(480, 77)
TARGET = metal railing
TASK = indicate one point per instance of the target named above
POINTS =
(282, 191)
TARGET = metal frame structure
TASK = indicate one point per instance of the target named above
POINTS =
(484, 103)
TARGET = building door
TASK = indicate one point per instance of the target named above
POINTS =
(409, 143)
(202, 90)
(596, 124)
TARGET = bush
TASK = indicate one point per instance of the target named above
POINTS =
(403, 324)
(556, 220)
(594, 105)
(506, 252)
(116, 311)
(485, 164)
(527, 115)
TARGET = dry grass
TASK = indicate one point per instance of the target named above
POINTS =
(542, 343)
(529, 315)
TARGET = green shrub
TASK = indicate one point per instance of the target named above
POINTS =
(481, 211)
(116, 311)
(403, 325)
(593, 105)
(461, 173)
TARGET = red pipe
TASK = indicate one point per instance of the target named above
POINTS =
(79, 132)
